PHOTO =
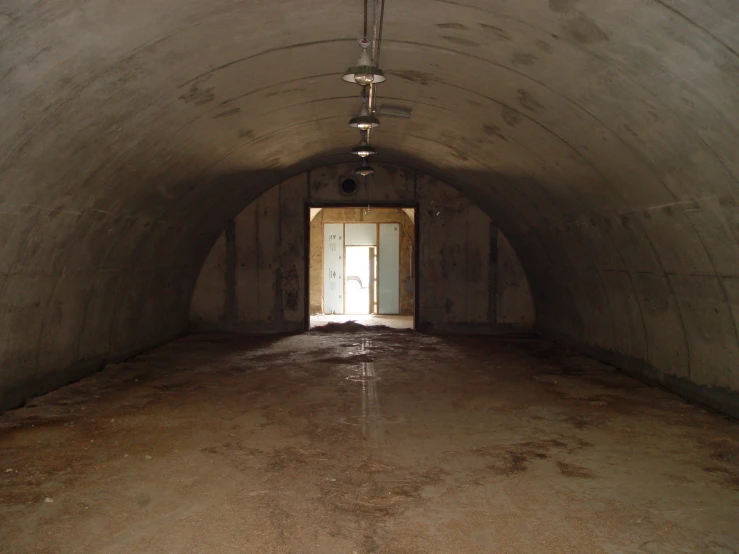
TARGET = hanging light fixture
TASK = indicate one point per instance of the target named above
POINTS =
(367, 74)
(364, 73)
(364, 149)
(365, 170)
(364, 120)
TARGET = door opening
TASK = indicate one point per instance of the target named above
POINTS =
(362, 265)
(360, 283)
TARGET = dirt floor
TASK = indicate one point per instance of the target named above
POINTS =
(393, 321)
(382, 441)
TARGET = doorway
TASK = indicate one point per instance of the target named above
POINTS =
(362, 265)
(360, 281)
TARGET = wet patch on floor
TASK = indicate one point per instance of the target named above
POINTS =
(380, 493)
(507, 460)
(573, 470)
(724, 455)
(345, 360)
(267, 357)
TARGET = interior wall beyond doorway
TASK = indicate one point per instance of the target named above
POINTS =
(255, 278)
(362, 215)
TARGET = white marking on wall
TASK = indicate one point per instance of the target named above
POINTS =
(333, 268)
(389, 270)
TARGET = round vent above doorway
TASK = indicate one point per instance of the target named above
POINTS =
(348, 187)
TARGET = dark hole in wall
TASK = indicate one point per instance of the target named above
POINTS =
(348, 186)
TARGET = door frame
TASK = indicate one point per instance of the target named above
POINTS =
(415, 206)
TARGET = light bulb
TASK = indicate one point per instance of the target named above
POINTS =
(364, 73)
(364, 121)
(365, 170)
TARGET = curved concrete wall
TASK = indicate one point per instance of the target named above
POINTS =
(599, 136)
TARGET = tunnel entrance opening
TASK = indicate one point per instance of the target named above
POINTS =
(362, 265)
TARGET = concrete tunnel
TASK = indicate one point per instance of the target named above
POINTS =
(591, 143)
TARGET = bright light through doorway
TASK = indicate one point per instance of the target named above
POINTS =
(360, 282)
(362, 265)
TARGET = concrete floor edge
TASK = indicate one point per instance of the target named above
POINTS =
(53, 380)
(497, 330)
(719, 399)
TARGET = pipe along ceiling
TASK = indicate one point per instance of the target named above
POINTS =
(600, 136)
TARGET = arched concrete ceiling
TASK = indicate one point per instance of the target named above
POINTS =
(600, 135)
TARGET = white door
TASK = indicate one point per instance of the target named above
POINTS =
(333, 268)
(361, 234)
(360, 240)
(389, 268)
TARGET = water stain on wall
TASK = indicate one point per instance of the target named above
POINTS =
(418, 77)
(583, 30)
(562, 6)
(510, 116)
(493, 131)
(198, 96)
(227, 113)
(291, 288)
(497, 31)
(544, 46)
(454, 26)
(460, 41)
(523, 58)
(528, 101)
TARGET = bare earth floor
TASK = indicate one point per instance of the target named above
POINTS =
(382, 441)
(394, 321)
